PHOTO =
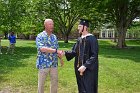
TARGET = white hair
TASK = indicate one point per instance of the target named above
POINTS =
(47, 20)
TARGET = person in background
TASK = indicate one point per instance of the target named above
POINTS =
(12, 42)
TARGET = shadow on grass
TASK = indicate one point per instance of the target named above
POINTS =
(9, 62)
(131, 53)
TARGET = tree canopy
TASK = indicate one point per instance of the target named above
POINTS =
(27, 16)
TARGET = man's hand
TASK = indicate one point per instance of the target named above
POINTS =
(60, 53)
(81, 70)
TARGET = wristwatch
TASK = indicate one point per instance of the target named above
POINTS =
(56, 51)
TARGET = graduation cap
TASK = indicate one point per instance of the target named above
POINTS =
(84, 22)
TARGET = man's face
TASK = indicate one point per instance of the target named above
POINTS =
(80, 28)
(49, 25)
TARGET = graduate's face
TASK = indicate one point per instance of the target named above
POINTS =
(80, 28)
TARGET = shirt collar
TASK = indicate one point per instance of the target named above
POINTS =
(46, 33)
(83, 36)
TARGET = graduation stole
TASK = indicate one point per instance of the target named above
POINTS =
(80, 59)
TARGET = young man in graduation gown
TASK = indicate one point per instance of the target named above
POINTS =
(85, 52)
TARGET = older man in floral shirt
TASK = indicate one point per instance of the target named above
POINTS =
(47, 60)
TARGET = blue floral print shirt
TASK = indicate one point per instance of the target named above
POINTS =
(46, 60)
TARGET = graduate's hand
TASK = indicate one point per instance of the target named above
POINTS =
(60, 55)
(82, 69)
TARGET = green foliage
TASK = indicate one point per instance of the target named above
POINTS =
(121, 14)
(11, 14)
(65, 13)
(27, 16)
(135, 29)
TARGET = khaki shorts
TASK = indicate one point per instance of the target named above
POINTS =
(12, 46)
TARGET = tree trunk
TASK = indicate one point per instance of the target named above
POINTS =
(5, 35)
(65, 38)
(121, 37)
(115, 37)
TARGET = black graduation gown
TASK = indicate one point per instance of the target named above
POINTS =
(85, 52)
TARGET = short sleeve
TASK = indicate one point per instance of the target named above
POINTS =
(39, 42)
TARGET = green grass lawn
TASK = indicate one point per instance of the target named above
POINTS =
(119, 69)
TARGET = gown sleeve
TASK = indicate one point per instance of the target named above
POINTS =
(93, 44)
(71, 54)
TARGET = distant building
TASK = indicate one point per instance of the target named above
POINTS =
(108, 32)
